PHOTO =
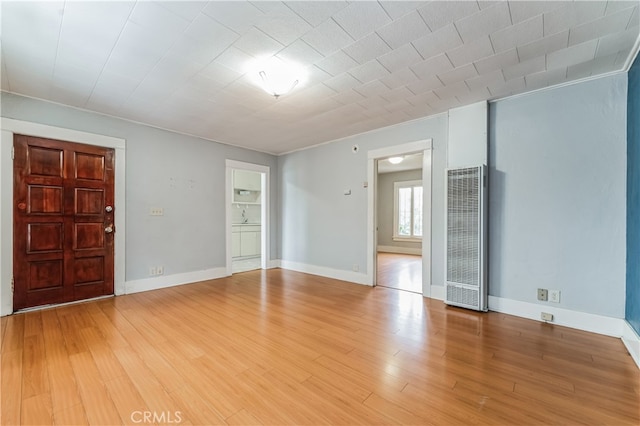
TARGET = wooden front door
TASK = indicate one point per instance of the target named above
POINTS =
(63, 221)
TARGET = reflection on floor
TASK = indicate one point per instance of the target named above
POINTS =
(401, 271)
(245, 264)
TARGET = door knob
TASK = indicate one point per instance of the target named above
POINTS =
(108, 209)
(108, 229)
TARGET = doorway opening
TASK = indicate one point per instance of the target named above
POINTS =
(399, 217)
(247, 189)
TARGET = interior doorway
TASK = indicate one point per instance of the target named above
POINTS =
(247, 190)
(409, 234)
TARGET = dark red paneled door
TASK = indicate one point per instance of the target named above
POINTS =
(63, 221)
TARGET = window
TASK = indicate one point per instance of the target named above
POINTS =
(407, 210)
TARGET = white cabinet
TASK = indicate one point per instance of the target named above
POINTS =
(245, 240)
(243, 179)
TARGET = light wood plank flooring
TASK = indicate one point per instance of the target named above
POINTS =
(400, 271)
(281, 347)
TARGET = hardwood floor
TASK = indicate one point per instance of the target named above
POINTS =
(281, 347)
(400, 271)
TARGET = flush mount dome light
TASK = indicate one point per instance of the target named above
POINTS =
(275, 76)
(395, 160)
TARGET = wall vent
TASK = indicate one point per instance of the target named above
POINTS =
(466, 239)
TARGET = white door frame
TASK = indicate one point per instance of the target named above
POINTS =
(11, 127)
(373, 156)
(232, 165)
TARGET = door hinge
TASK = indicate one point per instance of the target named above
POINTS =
(13, 152)
(12, 285)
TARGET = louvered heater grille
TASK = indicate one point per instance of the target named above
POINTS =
(466, 218)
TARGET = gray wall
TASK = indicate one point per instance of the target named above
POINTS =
(557, 195)
(385, 207)
(322, 227)
(184, 175)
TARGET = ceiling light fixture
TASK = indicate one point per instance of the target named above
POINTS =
(275, 76)
(395, 160)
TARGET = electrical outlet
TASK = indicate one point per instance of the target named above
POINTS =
(554, 296)
(159, 270)
(153, 271)
(546, 316)
(156, 211)
(542, 294)
(356, 267)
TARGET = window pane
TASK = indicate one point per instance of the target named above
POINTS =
(404, 212)
(417, 211)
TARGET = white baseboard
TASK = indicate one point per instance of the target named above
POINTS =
(337, 274)
(632, 341)
(580, 320)
(273, 263)
(400, 250)
(165, 281)
(437, 292)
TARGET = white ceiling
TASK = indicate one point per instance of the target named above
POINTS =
(179, 65)
(409, 162)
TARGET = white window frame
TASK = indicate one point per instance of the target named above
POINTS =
(396, 189)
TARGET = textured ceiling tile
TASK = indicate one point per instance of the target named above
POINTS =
(185, 9)
(544, 46)
(284, 26)
(572, 55)
(343, 82)
(600, 27)
(546, 78)
(361, 18)
(256, 43)
(613, 43)
(196, 50)
(451, 91)
(511, 87)
(373, 88)
(523, 68)
(437, 14)
(566, 17)
(151, 15)
(316, 12)
(372, 70)
(432, 66)
(396, 9)
(458, 74)
(423, 98)
(347, 97)
(426, 84)
(471, 52)
(486, 22)
(490, 79)
(327, 38)
(399, 78)
(400, 58)
(235, 59)
(205, 29)
(599, 65)
(396, 95)
(219, 73)
(523, 10)
(367, 48)
(445, 38)
(517, 35)
(236, 15)
(337, 63)
(404, 30)
(496, 62)
(618, 5)
(300, 52)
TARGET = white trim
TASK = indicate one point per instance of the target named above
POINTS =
(437, 292)
(580, 320)
(275, 263)
(336, 274)
(10, 127)
(400, 250)
(632, 341)
(396, 214)
(373, 156)
(155, 283)
(632, 55)
(265, 236)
